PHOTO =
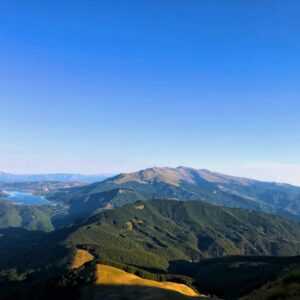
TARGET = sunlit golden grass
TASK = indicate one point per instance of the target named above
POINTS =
(107, 275)
(80, 258)
(129, 225)
(140, 206)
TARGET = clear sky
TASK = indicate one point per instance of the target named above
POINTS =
(117, 85)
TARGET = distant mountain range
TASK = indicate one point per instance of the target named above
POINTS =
(63, 177)
(38, 187)
(183, 183)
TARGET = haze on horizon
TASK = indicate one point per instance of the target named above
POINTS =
(107, 87)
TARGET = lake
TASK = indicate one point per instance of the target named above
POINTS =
(25, 198)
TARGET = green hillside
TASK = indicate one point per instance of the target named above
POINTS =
(27, 217)
(161, 231)
(189, 242)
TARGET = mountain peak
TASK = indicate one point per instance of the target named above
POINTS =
(175, 176)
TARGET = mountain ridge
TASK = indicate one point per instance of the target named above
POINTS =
(183, 183)
(204, 172)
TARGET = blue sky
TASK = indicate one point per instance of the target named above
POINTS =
(109, 86)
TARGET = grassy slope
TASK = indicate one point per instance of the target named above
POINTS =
(107, 275)
(81, 257)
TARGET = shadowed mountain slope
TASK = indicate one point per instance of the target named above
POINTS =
(286, 286)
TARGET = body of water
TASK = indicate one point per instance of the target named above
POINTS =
(25, 198)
